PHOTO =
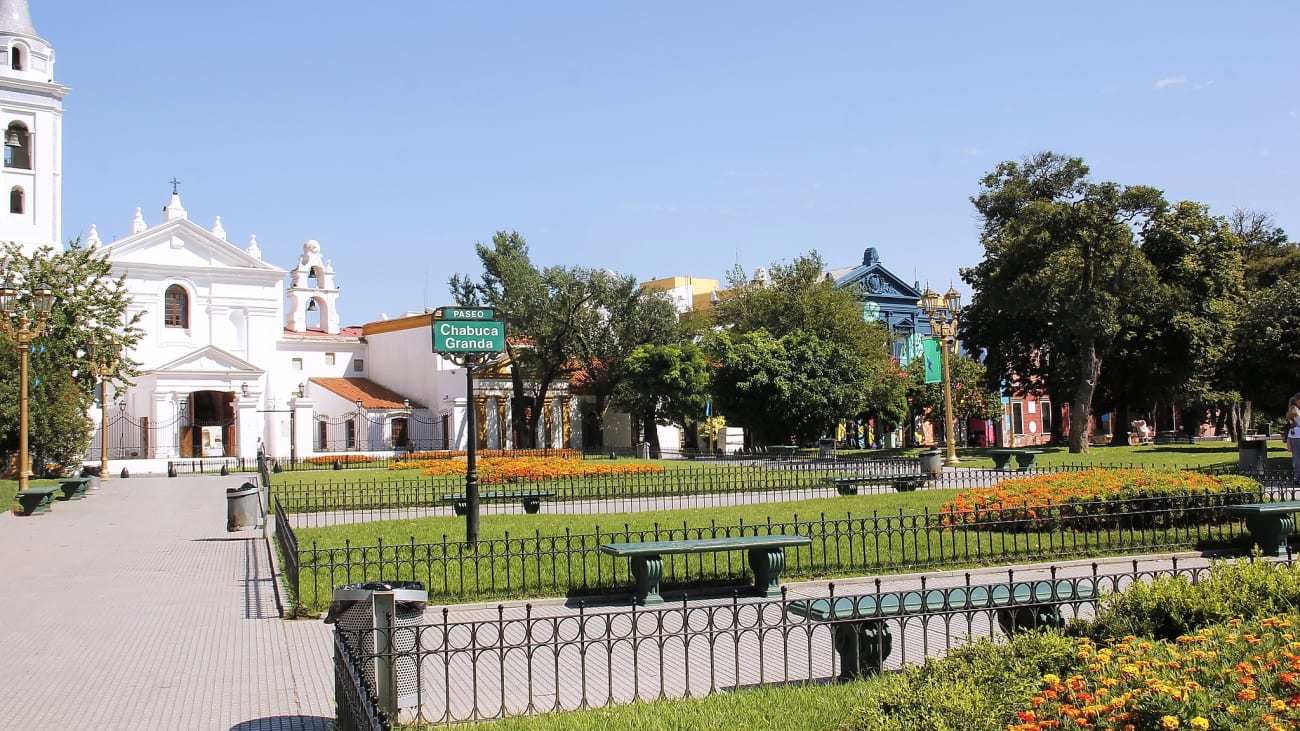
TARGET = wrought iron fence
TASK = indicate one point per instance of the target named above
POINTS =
(365, 431)
(503, 662)
(329, 502)
(287, 541)
(355, 706)
(572, 564)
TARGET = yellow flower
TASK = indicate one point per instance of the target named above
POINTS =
(1169, 722)
(1200, 723)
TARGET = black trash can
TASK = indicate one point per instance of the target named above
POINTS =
(1252, 454)
(931, 462)
(826, 448)
(243, 507)
(359, 610)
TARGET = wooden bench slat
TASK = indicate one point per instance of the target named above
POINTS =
(517, 495)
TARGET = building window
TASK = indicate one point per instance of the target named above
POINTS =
(322, 434)
(1017, 417)
(1045, 407)
(359, 364)
(16, 200)
(400, 438)
(296, 364)
(16, 58)
(350, 436)
(18, 147)
(329, 359)
(176, 307)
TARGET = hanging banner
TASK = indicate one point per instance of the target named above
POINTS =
(933, 360)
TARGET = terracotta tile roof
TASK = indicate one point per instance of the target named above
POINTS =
(372, 395)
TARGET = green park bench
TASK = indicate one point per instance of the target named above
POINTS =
(1002, 458)
(782, 451)
(850, 485)
(74, 488)
(1269, 523)
(766, 559)
(530, 499)
(35, 500)
(862, 637)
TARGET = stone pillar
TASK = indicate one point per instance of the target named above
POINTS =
(503, 421)
(162, 442)
(481, 426)
(566, 422)
(247, 428)
(491, 427)
(459, 420)
(303, 442)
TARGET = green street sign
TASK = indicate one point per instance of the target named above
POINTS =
(465, 313)
(468, 336)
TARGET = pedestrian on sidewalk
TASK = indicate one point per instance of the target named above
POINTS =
(1293, 434)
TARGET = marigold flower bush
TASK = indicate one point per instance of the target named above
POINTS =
(533, 469)
(342, 458)
(1238, 675)
(1099, 499)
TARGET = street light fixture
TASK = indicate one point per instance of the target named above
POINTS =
(942, 311)
(102, 363)
(357, 436)
(27, 330)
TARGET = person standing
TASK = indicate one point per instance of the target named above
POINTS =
(1293, 434)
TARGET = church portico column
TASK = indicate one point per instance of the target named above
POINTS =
(566, 422)
(480, 416)
(503, 422)
(491, 417)
(302, 445)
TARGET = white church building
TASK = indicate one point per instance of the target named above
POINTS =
(238, 353)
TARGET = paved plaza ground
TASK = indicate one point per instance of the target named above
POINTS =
(135, 609)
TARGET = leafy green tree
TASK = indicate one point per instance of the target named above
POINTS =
(621, 318)
(798, 311)
(794, 386)
(90, 304)
(1266, 254)
(1265, 351)
(536, 345)
(664, 384)
(1061, 267)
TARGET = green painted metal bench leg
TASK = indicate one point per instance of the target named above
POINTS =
(34, 503)
(862, 646)
(847, 489)
(532, 505)
(460, 506)
(1030, 616)
(1270, 532)
(647, 571)
(1025, 461)
(1000, 461)
(767, 565)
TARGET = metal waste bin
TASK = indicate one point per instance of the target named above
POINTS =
(243, 507)
(92, 474)
(931, 462)
(378, 620)
(826, 448)
(643, 450)
(1252, 454)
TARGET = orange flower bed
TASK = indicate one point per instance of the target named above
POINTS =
(344, 458)
(1092, 499)
(1242, 675)
(531, 469)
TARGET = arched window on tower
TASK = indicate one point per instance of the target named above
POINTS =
(176, 307)
(18, 146)
(16, 200)
(16, 58)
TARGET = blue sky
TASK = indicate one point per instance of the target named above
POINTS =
(655, 139)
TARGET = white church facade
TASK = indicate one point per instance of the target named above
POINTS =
(238, 354)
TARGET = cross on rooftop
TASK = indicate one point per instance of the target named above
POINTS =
(174, 183)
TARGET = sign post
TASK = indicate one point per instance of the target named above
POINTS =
(467, 336)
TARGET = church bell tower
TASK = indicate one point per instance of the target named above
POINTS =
(31, 129)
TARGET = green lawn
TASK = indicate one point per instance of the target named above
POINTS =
(524, 556)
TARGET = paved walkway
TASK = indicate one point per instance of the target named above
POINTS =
(135, 609)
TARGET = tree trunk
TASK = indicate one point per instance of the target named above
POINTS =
(1119, 434)
(1081, 409)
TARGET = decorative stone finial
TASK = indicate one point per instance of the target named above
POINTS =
(137, 223)
(92, 238)
(253, 249)
(174, 209)
(218, 230)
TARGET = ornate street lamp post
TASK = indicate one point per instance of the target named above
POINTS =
(42, 299)
(356, 437)
(102, 362)
(942, 312)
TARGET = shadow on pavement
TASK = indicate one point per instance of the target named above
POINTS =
(286, 723)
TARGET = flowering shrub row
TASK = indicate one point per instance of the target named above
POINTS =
(1238, 675)
(531, 469)
(1098, 499)
(343, 458)
(408, 460)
